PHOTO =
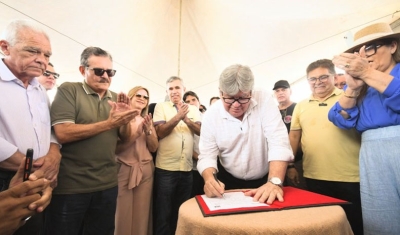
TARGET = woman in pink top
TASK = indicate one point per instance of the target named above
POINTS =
(135, 175)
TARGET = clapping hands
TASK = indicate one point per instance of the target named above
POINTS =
(121, 111)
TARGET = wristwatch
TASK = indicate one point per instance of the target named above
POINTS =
(276, 181)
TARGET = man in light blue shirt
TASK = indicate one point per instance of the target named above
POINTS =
(24, 110)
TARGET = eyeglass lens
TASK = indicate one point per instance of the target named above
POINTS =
(371, 49)
(100, 72)
(322, 78)
(239, 100)
(48, 73)
(144, 96)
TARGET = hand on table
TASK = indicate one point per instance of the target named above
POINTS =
(266, 193)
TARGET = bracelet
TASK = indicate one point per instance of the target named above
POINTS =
(350, 96)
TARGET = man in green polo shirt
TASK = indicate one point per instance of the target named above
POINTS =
(86, 117)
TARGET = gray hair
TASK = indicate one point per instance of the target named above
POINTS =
(96, 51)
(11, 33)
(236, 78)
(174, 78)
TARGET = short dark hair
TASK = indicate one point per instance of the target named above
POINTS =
(202, 108)
(191, 93)
(214, 98)
(152, 106)
(96, 51)
(324, 63)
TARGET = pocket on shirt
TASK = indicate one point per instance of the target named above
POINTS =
(44, 113)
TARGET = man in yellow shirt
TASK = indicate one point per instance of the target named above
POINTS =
(330, 154)
(175, 123)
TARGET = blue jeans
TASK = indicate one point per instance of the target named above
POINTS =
(172, 189)
(84, 213)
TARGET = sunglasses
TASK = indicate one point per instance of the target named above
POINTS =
(100, 72)
(48, 73)
(140, 96)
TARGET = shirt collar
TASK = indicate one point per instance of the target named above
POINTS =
(7, 76)
(335, 92)
(90, 91)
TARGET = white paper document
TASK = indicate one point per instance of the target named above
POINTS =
(231, 200)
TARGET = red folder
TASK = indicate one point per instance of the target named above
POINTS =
(294, 198)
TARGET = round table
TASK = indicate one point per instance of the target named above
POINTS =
(313, 220)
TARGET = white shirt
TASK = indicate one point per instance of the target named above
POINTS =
(24, 116)
(245, 147)
(196, 140)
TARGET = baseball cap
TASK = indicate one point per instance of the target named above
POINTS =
(281, 84)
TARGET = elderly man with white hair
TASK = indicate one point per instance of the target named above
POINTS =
(247, 134)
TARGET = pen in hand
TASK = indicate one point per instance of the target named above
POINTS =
(216, 179)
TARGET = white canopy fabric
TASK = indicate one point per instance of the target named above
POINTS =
(151, 40)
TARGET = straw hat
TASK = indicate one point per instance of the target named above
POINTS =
(371, 33)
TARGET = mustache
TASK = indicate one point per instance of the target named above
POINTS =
(104, 80)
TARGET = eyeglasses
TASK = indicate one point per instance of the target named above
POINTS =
(371, 49)
(240, 100)
(100, 72)
(322, 78)
(140, 96)
(48, 73)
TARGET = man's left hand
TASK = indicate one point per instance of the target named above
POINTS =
(266, 193)
(49, 163)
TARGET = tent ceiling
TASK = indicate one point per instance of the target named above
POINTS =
(196, 39)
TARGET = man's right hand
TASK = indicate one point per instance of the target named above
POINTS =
(212, 187)
(183, 109)
(121, 114)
